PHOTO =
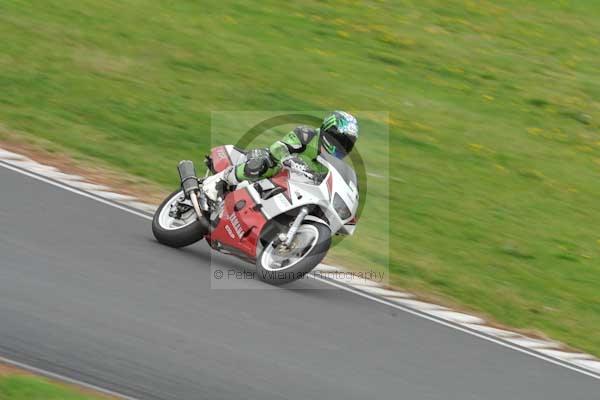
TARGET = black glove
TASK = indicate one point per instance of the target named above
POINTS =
(258, 161)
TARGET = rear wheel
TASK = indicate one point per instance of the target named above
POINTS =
(278, 264)
(175, 222)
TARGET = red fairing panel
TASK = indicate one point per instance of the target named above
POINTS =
(330, 185)
(282, 180)
(220, 158)
(239, 229)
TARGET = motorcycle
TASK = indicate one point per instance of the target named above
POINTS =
(283, 224)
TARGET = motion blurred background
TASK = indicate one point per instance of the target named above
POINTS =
(494, 111)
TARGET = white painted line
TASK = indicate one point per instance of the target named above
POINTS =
(41, 169)
(59, 176)
(352, 280)
(567, 355)
(328, 268)
(589, 364)
(377, 291)
(587, 367)
(9, 155)
(457, 317)
(534, 343)
(27, 164)
(417, 305)
(488, 330)
(112, 195)
(87, 186)
(35, 167)
(142, 206)
(63, 378)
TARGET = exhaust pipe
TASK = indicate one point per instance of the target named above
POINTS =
(187, 174)
(189, 183)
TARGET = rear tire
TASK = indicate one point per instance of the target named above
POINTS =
(180, 237)
(307, 262)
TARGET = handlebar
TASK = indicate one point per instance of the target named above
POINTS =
(298, 166)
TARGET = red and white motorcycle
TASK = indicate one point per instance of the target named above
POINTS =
(283, 224)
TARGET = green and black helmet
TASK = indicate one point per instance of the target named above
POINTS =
(339, 132)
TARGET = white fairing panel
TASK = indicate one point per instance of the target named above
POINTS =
(344, 185)
(236, 155)
(302, 191)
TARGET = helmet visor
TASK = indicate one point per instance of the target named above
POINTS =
(337, 145)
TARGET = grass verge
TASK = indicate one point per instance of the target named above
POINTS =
(19, 385)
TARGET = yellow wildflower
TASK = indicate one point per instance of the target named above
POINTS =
(534, 131)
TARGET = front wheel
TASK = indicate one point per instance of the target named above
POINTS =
(175, 222)
(278, 265)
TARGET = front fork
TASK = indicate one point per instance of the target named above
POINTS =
(286, 239)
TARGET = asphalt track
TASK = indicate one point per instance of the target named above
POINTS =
(87, 293)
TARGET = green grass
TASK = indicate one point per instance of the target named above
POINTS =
(16, 387)
(494, 123)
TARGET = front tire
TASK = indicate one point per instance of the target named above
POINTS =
(176, 232)
(277, 267)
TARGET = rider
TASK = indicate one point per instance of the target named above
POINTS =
(336, 136)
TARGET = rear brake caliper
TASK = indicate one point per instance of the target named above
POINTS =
(179, 208)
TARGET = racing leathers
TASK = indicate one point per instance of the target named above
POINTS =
(303, 144)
